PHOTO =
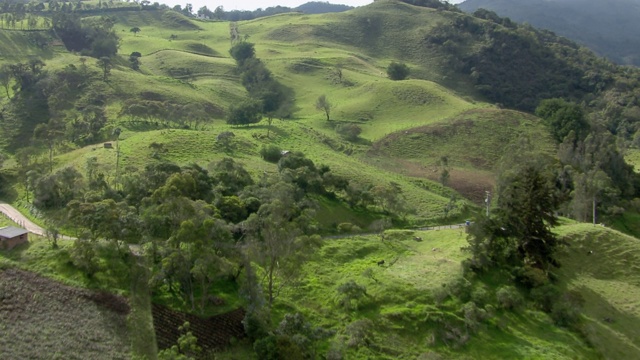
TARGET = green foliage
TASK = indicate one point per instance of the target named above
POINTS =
(350, 132)
(245, 113)
(242, 52)
(563, 118)
(349, 293)
(271, 153)
(509, 297)
(398, 71)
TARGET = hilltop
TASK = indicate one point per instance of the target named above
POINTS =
(607, 28)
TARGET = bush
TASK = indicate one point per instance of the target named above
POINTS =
(271, 153)
(545, 296)
(349, 131)
(567, 309)
(350, 292)
(345, 227)
(360, 333)
(480, 296)
(532, 277)
(397, 71)
(508, 297)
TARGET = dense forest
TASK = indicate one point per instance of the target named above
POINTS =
(607, 28)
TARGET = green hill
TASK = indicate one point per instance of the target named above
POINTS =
(114, 142)
(604, 28)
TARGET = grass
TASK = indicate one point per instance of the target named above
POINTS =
(407, 127)
(610, 285)
(402, 300)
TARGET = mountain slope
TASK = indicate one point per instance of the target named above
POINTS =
(609, 28)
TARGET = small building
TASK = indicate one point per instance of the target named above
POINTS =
(108, 146)
(11, 237)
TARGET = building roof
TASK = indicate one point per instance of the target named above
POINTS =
(11, 231)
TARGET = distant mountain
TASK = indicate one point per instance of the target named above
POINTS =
(610, 28)
(319, 7)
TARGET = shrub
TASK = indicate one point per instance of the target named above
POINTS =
(349, 131)
(345, 227)
(360, 333)
(397, 71)
(508, 297)
(271, 153)
(350, 292)
(532, 277)
(545, 296)
(567, 309)
(480, 296)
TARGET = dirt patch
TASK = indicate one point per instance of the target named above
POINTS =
(212, 333)
(42, 318)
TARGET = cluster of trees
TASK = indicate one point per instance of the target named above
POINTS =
(267, 97)
(52, 107)
(91, 36)
(197, 225)
(312, 7)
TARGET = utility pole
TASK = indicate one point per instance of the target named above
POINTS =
(487, 200)
(116, 132)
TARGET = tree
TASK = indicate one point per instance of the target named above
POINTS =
(323, 104)
(105, 64)
(135, 30)
(242, 51)
(397, 71)
(5, 78)
(245, 113)
(563, 117)
(527, 212)
(278, 243)
(134, 60)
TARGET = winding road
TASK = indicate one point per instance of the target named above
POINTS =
(16, 216)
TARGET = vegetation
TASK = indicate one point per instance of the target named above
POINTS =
(609, 37)
(156, 158)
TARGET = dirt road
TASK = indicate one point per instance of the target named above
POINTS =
(17, 217)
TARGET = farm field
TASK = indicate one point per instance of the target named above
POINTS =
(42, 317)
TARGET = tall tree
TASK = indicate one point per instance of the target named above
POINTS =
(323, 104)
(527, 212)
(278, 240)
(105, 64)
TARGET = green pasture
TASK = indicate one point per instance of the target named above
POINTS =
(401, 298)
(609, 280)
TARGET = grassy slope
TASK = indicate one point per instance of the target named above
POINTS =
(609, 280)
(284, 42)
(401, 298)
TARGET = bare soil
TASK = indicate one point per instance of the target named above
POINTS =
(43, 319)
(213, 333)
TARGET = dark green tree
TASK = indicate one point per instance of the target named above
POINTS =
(135, 30)
(562, 117)
(105, 64)
(526, 212)
(245, 113)
(242, 51)
(397, 71)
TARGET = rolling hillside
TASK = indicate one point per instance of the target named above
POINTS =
(607, 28)
(462, 110)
